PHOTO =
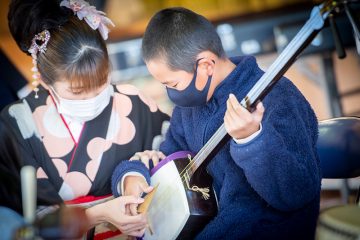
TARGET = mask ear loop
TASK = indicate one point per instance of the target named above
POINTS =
(55, 96)
(197, 65)
(192, 83)
(34, 49)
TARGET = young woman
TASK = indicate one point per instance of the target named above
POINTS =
(75, 127)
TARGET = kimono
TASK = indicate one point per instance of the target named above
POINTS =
(32, 132)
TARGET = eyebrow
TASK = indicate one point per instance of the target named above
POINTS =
(75, 90)
(166, 82)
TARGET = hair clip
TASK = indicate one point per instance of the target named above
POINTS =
(94, 18)
(38, 44)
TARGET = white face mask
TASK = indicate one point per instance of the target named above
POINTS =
(84, 110)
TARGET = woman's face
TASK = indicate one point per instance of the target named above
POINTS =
(63, 89)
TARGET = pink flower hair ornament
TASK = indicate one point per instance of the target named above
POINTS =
(38, 44)
(94, 18)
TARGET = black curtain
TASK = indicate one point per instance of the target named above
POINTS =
(11, 81)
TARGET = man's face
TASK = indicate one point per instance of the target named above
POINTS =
(178, 79)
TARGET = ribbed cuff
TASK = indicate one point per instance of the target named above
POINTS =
(125, 167)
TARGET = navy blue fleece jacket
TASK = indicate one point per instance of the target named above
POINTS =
(268, 188)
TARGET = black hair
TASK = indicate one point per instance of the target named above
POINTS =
(75, 52)
(178, 35)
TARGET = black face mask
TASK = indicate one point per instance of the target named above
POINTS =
(190, 96)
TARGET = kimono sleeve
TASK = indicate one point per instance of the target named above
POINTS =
(10, 165)
(15, 152)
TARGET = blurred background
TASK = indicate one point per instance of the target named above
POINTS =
(246, 27)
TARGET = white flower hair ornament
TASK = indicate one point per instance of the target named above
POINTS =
(94, 18)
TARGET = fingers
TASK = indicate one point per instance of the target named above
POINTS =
(145, 159)
(234, 102)
(161, 155)
(133, 209)
(259, 112)
(230, 112)
(135, 157)
(239, 122)
(115, 213)
(235, 115)
(155, 159)
(236, 110)
(136, 220)
(145, 187)
(260, 107)
(238, 114)
(148, 189)
(127, 223)
(137, 233)
(124, 200)
(127, 210)
(131, 227)
(146, 156)
(127, 201)
(136, 186)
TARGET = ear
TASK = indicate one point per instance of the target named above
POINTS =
(207, 63)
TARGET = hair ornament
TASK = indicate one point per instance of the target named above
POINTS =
(38, 44)
(94, 18)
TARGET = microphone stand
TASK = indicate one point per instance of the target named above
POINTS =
(341, 53)
(28, 194)
(340, 50)
(355, 25)
(63, 223)
(354, 22)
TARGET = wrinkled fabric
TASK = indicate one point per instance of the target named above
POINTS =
(32, 132)
(268, 188)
